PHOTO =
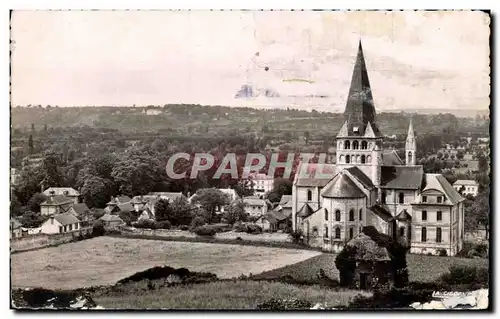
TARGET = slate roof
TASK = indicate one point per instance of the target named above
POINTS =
(68, 191)
(404, 216)
(360, 176)
(402, 177)
(382, 213)
(275, 216)
(66, 219)
(305, 211)
(341, 186)
(80, 208)
(57, 200)
(391, 158)
(111, 218)
(254, 201)
(123, 199)
(438, 182)
(126, 207)
(314, 175)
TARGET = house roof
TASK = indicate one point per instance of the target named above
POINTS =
(66, 219)
(391, 158)
(314, 175)
(469, 182)
(68, 191)
(170, 195)
(382, 213)
(113, 201)
(305, 211)
(123, 199)
(126, 207)
(275, 216)
(367, 249)
(360, 176)
(111, 218)
(57, 200)
(404, 216)
(254, 201)
(438, 182)
(80, 208)
(341, 186)
(402, 177)
(285, 199)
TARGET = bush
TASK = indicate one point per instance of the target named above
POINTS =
(164, 224)
(184, 227)
(98, 229)
(296, 236)
(204, 231)
(466, 275)
(442, 252)
(198, 221)
(146, 223)
(253, 229)
(240, 228)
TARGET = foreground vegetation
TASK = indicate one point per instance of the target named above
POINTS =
(235, 294)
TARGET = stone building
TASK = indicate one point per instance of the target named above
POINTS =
(368, 186)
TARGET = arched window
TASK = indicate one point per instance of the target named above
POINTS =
(384, 196)
(341, 159)
(358, 159)
(340, 145)
(355, 145)
(438, 235)
(364, 145)
(337, 215)
(363, 159)
(326, 214)
(309, 195)
(424, 234)
(401, 198)
(351, 232)
(347, 159)
(351, 215)
(337, 232)
(409, 157)
(315, 231)
(347, 145)
(361, 214)
(326, 231)
(368, 159)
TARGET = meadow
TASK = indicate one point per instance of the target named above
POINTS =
(105, 260)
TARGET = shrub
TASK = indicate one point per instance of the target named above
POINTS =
(198, 221)
(253, 229)
(146, 223)
(296, 236)
(466, 275)
(239, 227)
(127, 217)
(204, 231)
(442, 252)
(346, 264)
(164, 224)
(184, 227)
(98, 229)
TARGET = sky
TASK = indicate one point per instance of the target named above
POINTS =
(415, 60)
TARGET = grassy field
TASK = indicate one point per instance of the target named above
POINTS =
(420, 267)
(105, 260)
(223, 295)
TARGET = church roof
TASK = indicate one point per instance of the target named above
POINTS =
(438, 182)
(391, 158)
(360, 109)
(305, 211)
(402, 177)
(314, 175)
(341, 186)
(360, 176)
(404, 216)
(382, 213)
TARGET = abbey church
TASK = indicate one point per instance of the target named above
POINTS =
(367, 186)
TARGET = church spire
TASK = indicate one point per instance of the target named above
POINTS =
(411, 146)
(359, 108)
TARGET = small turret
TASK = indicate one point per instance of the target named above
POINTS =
(410, 146)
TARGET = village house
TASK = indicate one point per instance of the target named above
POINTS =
(367, 186)
(255, 207)
(56, 204)
(262, 183)
(61, 223)
(146, 203)
(285, 205)
(111, 220)
(466, 187)
(272, 221)
(64, 191)
(15, 177)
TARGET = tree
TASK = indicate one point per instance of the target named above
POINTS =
(31, 178)
(181, 212)
(446, 155)
(236, 212)
(32, 219)
(35, 201)
(439, 155)
(15, 206)
(282, 187)
(45, 128)
(96, 191)
(210, 199)
(137, 174)
(483, 163)
(244, 188)
(460, 155)
(50, 170)
(31, 148)
(162, 210)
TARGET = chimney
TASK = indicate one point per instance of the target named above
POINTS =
(52, 194)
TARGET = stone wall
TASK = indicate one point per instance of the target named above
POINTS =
(36, 241)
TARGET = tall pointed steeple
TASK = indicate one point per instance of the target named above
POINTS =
(410, 146)
(360, 108)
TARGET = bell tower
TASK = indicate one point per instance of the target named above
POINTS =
(359, 139)
(410, 146)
